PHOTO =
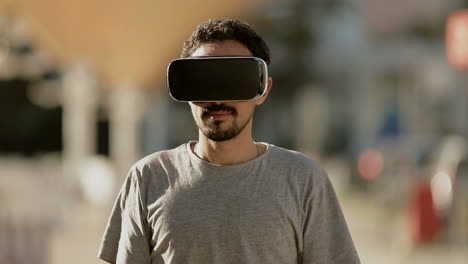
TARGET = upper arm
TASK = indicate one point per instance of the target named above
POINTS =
(325, 232)
(127, 236)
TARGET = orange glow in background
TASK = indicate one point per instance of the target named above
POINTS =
(457, 39)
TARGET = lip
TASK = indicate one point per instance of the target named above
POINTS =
(219, 114)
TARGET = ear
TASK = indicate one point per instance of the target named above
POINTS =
(262, 99)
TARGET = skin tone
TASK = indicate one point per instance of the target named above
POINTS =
(240, 148)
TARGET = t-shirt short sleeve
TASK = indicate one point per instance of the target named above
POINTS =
(126, 237)
(326, 235)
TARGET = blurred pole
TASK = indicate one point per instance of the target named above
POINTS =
(461, 105)
(156, 126)
(126, 111)
(360, 103)
(312, 105)
(80, 102)
(457, 55)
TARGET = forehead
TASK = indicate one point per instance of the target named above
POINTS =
(224, 48)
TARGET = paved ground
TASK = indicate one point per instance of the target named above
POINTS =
(381, 236)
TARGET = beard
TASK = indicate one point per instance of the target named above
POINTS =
(212, 129)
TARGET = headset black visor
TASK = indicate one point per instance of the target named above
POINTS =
(214, 79)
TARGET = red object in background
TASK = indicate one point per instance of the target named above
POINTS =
(423, 218)
(457, 39)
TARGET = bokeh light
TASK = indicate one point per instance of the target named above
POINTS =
(442, 191)
(370, 165)
(97, 180)
(457, 39)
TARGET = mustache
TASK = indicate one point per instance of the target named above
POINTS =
(218, 107)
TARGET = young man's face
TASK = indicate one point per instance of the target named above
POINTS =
(221, 121)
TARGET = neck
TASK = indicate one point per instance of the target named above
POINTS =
(237, 150)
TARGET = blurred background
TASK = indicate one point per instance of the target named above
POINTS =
(375, 90)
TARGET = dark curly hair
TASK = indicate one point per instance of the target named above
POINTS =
(213, 31)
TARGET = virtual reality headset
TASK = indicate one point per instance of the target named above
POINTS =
(216, 79)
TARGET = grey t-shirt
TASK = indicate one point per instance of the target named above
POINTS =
(277, 208)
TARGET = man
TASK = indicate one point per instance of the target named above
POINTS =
(226, 198)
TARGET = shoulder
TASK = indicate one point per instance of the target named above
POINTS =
(293, 158)
(161, 157)
(151, 174)
(301, 167)
(159, 162)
